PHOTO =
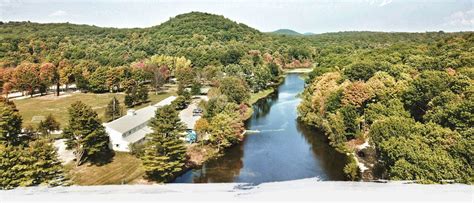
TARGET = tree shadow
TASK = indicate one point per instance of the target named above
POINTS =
(102, 158)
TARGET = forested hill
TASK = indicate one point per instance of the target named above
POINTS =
(201, 37)
(286, 32)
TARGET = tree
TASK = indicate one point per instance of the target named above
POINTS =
(128, 100)
(165, 154)
(47, 168)
(66, 73)
(10, 123)
(360, 71)
(26, 77)
(351, 121)
(225, 129)
(180, 103)
(196, 88)
(235, 89)
(185, 75)
(86, 134)
(423, 89)
(48, 125)
(15, 167)
(231, 56)
(113, 110)
(49, 75)
(142, 94)
(97, 80)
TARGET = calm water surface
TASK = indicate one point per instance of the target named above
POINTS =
(284, 149)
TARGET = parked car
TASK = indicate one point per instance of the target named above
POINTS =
(197, 112)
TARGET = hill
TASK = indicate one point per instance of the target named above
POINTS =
(201, 37)
(285, 32)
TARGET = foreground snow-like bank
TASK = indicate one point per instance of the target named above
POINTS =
(305, 189)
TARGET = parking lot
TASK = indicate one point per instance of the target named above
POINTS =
(187, 116)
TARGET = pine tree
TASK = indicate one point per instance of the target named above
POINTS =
(15, 167)
(86, 134)
(10, 123)
(48, 125)
(113, 110)
(47, 168)
(128, 100)
(165, 154)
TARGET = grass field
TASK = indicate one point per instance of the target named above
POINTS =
(35, 109)
(124, 169)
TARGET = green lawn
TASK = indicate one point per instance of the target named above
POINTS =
(124, 169)
(254, 97)
(35, 109)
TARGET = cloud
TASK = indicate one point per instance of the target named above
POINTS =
(461, 18)
(380, 3)
(385, 2)
(58, 13)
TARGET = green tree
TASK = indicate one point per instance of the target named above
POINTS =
(423, 89)
(196, 88)
(48, 125)
(165, 154)
(129, 100)
(15, 166)
(351, 121)
(10, 123)
(47, 168)
(97, 80)
(86, 134)
(234, 89)
(142, 94)
(113, 110)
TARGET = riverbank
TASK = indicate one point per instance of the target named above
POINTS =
(298, 70)
(290, 191)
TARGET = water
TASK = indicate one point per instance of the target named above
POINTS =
(284, 149)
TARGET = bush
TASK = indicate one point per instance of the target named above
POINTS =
(180, 103)
(352, 169)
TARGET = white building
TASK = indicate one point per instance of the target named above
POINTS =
(133, 127)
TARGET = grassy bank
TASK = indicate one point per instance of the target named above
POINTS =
(123, 169)
(254, 97)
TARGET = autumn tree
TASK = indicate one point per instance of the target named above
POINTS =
(26, 77)
(49, 75)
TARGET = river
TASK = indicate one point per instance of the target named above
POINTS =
(281, 149)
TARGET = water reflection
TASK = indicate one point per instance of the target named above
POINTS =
(284, 149)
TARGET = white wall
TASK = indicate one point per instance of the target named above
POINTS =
(116, 140)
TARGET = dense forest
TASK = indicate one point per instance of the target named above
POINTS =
(408, 94)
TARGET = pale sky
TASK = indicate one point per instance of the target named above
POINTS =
(315, 16)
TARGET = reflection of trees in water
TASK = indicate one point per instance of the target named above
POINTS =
(262, 107)
(223, 169)
(330, 160)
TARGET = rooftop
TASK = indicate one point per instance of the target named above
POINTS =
(138, 117)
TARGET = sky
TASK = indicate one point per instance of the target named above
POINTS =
(316, 16)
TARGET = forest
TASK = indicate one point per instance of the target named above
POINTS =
(409, 95)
